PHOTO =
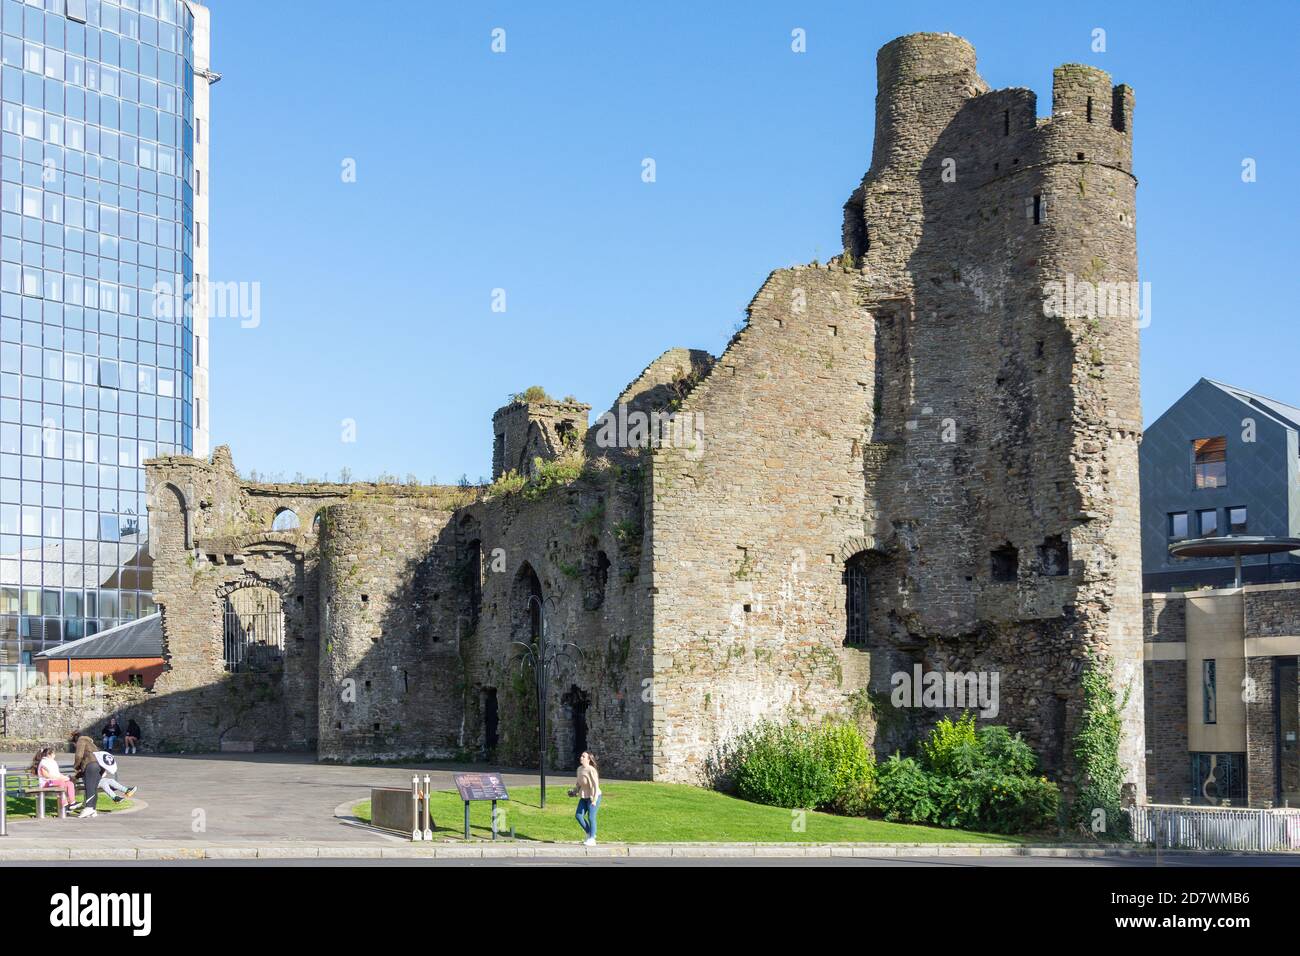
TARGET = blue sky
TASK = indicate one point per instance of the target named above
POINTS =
(522, 171)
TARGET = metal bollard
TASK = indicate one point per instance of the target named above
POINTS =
(4, 803)
(416, 832)
(428, 811)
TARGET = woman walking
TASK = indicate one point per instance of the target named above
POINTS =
(587, 790)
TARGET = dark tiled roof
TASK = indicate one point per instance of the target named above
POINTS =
(140, 638)
(1289, 414)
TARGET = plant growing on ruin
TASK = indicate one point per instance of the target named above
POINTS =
(745, 569)
(1097, 804)
(554, 473)
(627, 532)
(533, 393)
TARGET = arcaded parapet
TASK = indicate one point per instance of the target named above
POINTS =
(754, 509)
(236, 579)
(390, 671)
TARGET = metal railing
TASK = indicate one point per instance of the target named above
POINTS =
(1215, 828)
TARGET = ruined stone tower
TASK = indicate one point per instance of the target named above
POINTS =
(922, 454)
(927, 412)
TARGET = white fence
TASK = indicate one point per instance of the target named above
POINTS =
(1214, 828)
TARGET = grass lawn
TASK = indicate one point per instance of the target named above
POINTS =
(22, 808)
(673, 813)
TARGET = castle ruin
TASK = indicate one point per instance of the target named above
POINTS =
(902, 458)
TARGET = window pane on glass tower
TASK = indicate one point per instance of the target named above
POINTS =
(98, 103)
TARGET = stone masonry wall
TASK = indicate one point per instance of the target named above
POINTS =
(751, 522)
(1008, 425)
(391, 677)
(918, 405)
(1165, 698)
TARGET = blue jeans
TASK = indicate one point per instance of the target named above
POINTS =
(586, 816)
(110, 741)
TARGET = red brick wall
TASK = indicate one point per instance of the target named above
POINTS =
(119, 668)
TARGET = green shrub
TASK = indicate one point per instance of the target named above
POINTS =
(953, 749)
(842, 748)
(904, 792)
(777, 764)
(1006, 752)
(979, 780)
(792, 765)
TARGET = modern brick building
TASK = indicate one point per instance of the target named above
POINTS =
(130, 653)
(1220, 461)
(1222, 710)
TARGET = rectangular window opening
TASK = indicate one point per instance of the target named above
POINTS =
(1237, 521)
(1210, 462)
(1210, 692)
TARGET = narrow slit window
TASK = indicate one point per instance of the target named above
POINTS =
(1090, 109)
(1006, 122)
(1210, 692)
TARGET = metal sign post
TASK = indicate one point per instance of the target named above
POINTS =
(4, 803)
(481, 786)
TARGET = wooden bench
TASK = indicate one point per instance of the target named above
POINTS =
(25, 784)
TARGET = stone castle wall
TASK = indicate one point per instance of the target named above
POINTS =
(752, 518)
(914, 405)
(1005, 427)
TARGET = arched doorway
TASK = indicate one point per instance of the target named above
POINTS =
(252, 629)
(576, 703)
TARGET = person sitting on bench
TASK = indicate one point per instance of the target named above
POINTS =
(52, 778)
(112, 733)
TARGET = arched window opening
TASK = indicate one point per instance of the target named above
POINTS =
(474, 579)
(856, 600)
(491, 720)
(527, 605)
(286, 519)
(595, 577)
(253, 630)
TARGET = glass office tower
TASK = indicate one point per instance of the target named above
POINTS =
(103, 159)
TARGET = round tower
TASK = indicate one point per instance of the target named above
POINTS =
(1083, 208)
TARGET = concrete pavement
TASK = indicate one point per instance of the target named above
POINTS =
(269, 807)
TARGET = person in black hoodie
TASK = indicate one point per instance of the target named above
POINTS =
(132, 736)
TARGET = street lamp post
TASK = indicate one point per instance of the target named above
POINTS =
(541, 656)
